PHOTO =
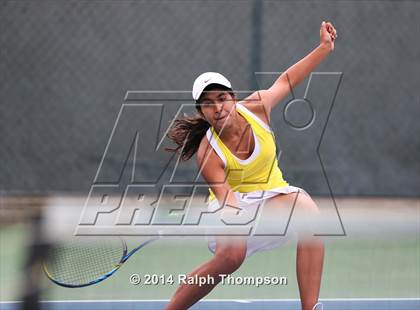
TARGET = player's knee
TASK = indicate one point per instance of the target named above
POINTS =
(230, 260)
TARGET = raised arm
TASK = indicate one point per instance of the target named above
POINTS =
(296, 73)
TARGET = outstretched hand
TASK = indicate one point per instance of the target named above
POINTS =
(327, 34)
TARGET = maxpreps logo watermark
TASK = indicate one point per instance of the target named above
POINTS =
(138, 189)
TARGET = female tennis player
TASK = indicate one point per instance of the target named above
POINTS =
(235, 147)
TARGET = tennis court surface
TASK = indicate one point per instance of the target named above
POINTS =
(375, 266)
(290, 304)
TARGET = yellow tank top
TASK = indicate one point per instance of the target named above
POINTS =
(260, 171)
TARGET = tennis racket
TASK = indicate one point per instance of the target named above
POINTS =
(85, 261)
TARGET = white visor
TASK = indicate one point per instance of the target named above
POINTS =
(206, 79)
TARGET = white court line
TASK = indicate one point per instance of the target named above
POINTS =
(218, 300)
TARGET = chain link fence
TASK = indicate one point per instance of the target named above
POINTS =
(67, 67)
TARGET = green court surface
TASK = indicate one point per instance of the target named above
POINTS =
(354, 268)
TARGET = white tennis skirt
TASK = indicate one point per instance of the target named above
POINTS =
(250, 201)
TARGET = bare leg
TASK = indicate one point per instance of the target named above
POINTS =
(310, 254)
(310, 249)
(226, 260)
(309, 262)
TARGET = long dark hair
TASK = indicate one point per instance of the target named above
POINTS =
(187, 132)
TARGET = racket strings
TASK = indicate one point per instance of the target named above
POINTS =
(79, 263)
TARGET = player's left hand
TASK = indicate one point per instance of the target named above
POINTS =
(327, 34)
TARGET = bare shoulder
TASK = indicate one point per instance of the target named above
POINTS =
(206, 156)
(203, 149)
(212, 169)
(255, 103)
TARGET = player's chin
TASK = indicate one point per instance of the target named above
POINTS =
(221, 122)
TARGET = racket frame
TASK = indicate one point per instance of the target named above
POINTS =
(124, 258)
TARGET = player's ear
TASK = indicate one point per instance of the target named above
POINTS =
(197, 106)
(232, 93)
